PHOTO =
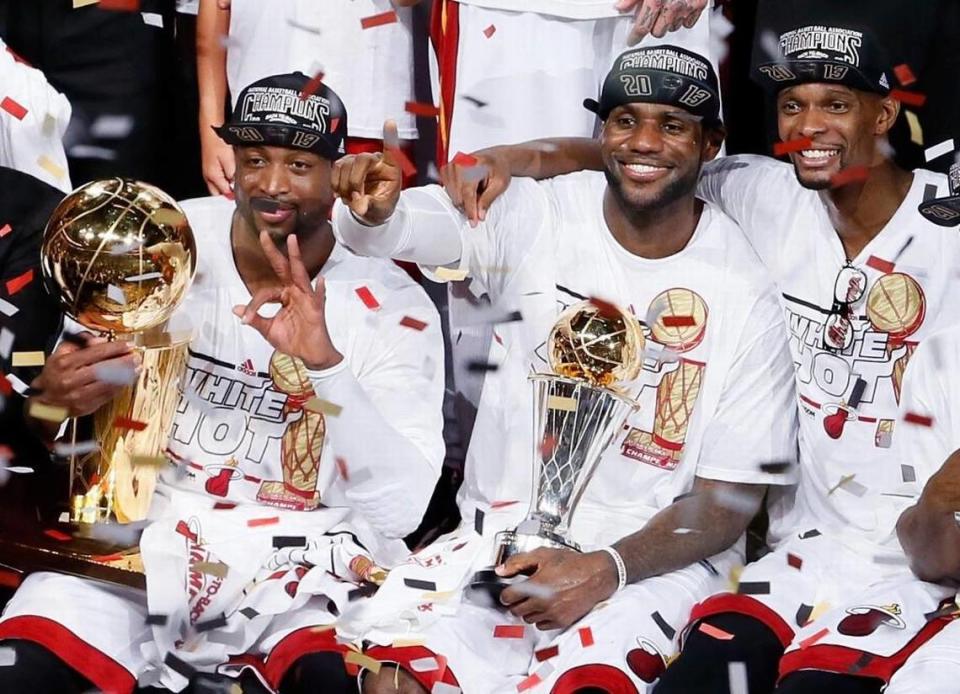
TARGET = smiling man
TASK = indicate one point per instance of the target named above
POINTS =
(662, 519)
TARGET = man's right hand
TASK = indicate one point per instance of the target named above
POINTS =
(72, 377)
(370, 184)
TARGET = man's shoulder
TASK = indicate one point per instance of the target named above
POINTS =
(390, 285)
(741, 262)
(758, 168)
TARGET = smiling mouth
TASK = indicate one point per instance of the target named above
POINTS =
(643, 172)
(818, 157)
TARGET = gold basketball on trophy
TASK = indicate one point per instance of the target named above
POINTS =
(122, 256)
(597, 342)
(896, 305)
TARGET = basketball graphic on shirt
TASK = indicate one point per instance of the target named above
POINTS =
(681, 319)
(896, 305)
(302, 442)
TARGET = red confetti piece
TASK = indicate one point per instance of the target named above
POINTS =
(586, 636)
(13, 108)
(19, 282)
(4, 230)
(418, 108)
(503, 504)
(547, 446)
(311, 88)
(605, 308)
(904, 74)
(228, 195)
(508, 631)
(851, 174)
(223, 506)
(794, 561)
(258, 522)
(401, 158)
(497, 338)
(715, 632)
(5, 387)
(529, 683)
(104, 558)
(781, 148)
(368, 299)
(880, 264)
(342, 468)
(915, 99)
(918, 419)
(57, 535)
(810, 640)
(678, 321)
(408, 322)
(120, 5)
(490, 31)
(128, 423)
(376, 20)
(463, 159)
(546, 653)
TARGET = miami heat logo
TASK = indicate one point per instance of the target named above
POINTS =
(646, 662)
(201, 586)
(301, 444)
(866, 619)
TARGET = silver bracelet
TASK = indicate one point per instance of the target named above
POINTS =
(621, 567)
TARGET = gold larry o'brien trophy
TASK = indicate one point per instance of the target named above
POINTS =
(122, 256)
(594, 349)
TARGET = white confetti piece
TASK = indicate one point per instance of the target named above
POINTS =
(18, 384)
(112, 126)
(735, 500)
(8, 309)
(114, 293)
(8, 656)
(534, 590)
(144, 277)
(115, 375)
(152, 19)
(92, 152)
(6, 342)
(424, 665)
(938, 151)
(737, 676)
(81, 448)
(444, 688)
(19, 469)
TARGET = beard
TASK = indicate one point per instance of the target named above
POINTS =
(673, 191)
(811, 185)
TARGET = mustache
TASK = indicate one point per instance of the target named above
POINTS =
(269, 205)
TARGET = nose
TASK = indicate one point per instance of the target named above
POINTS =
(812, 123)
(646, 137)
(275, 180)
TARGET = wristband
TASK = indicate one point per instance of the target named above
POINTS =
(621, 567)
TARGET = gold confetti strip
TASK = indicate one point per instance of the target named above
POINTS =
(51, 167)
(218, 569)
(819, 609)
(150, 460)
(84, 3)
(318, 405)
(558, 402)
(323, 627)
(364, 661)
(438, 597)
(916, 132)
(48, 413)
(406, 643)
(446, 274)
(28, 359)
(734, 577)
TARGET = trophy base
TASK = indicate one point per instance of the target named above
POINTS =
(486, 586)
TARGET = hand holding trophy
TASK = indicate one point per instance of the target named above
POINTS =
(122, 257)
(593, 350)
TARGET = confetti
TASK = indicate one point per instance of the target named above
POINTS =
(907, 473)
(794, 561)
(528, 682)
(342, 469)
(938, 151)
(211, 624)
(546, 653)
(586, 636)
(47, 413)
(57, 535)
(904, 75)
(376, 20)
(737, 677)
(916, 130)
(605, 308)
(465, 160)
(249, 613)
(803, 615)
(909, 98)
(857, 393)
(781, 148)
(478, 521)
(178, 666)
(116, 294)
(51, 167)
(6, 343)
(84, 3)
(490, 31)
(144, 277)
(311, 87)
(400, 157)
(810, 640)
(8, 309)
(426, 665)
(420, 584)
(884, 266)
(715, 632)
(413, 323)
(157, 620)
(363, 661)
(918, 419)
(328, 408)
(120, 5)
(810, 533)
(13, 108)
(667, 630)
(368, 299)
(481, 367)
(776, 467)
(148, 460)
(363, 591)
(211, 568)
(444, 688)
(753, 588)
(849, 175)
(446, 274)
(19, 282)
(508, 631)
(421, 109)
(559, 402)
(115, 375)
(4, 230)
(112, 127)
(128, 423)
(8, 656)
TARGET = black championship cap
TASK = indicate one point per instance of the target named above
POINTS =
(821, 53)
(661, 75)
(945, 211)
(272, 111)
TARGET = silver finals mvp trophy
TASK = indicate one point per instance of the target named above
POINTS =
(594, 348)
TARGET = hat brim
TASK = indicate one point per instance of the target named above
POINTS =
(280, 135)
(944, 212)
(778, 75)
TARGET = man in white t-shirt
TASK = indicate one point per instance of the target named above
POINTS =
(363, 49)
(305, 445)
(672, 495)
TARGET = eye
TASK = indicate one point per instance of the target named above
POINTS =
(790, 107)
(300, 165)
(674, 127)
(625, 121)
(254, 160)
(839, 106)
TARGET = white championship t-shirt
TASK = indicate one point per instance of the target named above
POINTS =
(571, 9)
(911, 290)
(254, 426)
(371, 70)
(717, 399)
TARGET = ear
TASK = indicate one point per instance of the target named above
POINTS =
(886, 115)
(713, 137)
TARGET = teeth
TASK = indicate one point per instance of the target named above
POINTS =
(818, 153)
(643, 168)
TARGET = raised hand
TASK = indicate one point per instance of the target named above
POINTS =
(474, 187)
(299, 328)
(658, 17)
(564, 585)
(369, 184)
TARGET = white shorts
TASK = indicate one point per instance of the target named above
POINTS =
(507, 77)
(933, 667)
(622, 646)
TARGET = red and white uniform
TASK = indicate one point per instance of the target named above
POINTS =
(371, 70)
(831, 539)
(263, 452)
(716, 401)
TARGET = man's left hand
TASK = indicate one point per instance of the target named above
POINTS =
(658, 17)
(299, 328)
(563, 586)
